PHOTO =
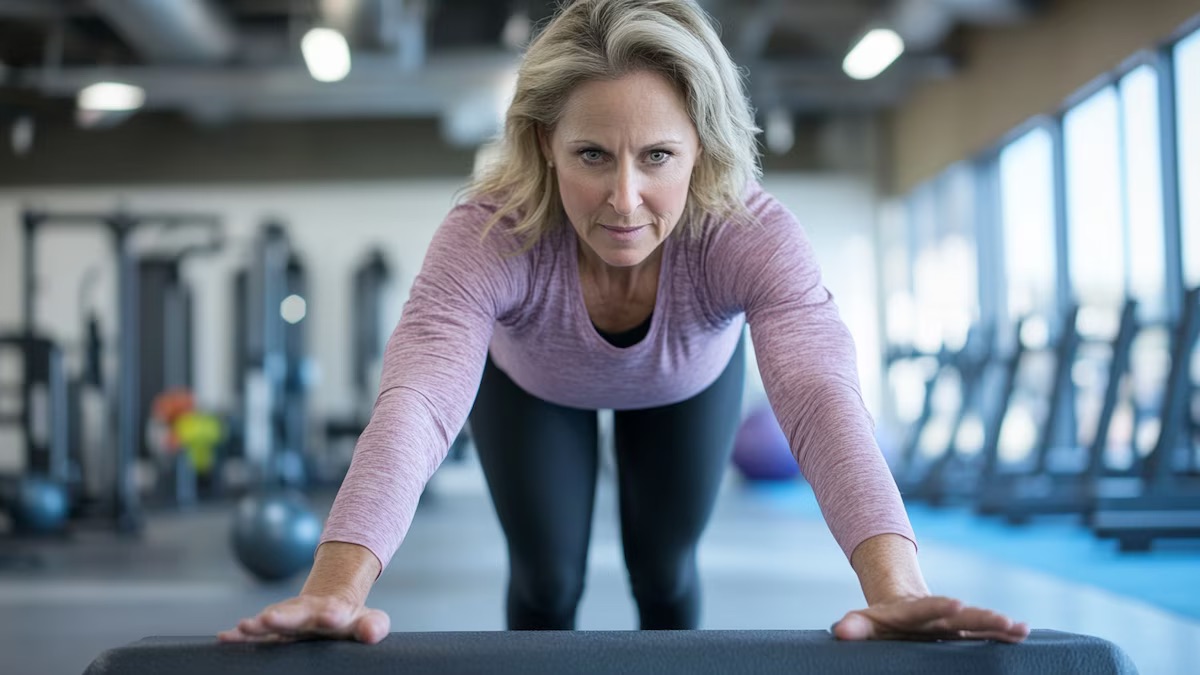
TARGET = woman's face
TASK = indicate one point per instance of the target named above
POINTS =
(623, 152)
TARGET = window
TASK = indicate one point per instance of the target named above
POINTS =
(957, 253)
(1027, 221)
(927, 272)
(1143, 191)
(1095, 227)
(1187, 100)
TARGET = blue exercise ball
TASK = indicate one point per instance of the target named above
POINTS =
(275, 535)
(760, 450)
(39, 506)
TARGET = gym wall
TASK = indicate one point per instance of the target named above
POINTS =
(1011, 75)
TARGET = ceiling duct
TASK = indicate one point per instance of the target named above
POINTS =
(925, 23)
(191, 32)
(389, 26)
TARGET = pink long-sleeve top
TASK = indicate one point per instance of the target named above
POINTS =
(478, 293)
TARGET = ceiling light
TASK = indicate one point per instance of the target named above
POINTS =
(22, 135)
(110, 97)
(873, 53)
(326, 54)
(293, 309)
(779, 131)
(517, 30)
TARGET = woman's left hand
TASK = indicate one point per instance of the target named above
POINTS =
(928, 618)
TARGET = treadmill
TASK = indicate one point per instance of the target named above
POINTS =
(948, 448)
(1168, 503)
(1031, 421)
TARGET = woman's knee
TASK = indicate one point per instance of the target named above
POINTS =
(547, 587)
(663, 577)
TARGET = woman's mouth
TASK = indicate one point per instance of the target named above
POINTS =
(623, 233)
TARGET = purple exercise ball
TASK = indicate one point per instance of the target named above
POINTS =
(761, 451)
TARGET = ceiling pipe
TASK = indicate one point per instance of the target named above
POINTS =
(923, 24)
(193, 32)
(395, 27)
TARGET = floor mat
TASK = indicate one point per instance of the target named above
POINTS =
(1167, 577)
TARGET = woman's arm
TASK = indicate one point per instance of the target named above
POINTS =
(807, 359)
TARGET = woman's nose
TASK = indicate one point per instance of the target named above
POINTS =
(626, 194)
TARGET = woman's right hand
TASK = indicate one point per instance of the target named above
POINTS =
(308, 617)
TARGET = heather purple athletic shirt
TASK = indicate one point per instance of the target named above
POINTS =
(476, 293)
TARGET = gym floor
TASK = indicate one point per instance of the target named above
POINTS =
(767, 562)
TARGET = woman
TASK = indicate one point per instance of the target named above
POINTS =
(611, 259)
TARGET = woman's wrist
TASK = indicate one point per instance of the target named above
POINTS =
(343, 570)
(888, 570)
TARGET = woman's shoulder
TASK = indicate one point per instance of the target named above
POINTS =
(762, 222)
(764, 208)
(476, 217)
(475, 210)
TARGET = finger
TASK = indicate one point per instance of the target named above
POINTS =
(975, 618)
(854, 626)
(372, 627)
(920, 611)
(235, 635)
(1015, 633)
(231, 635)
(288, 618)
(994, 626)
(260, 629)
(252, 626)
(334, 618)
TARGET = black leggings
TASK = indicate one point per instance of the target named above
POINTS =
(540, 461)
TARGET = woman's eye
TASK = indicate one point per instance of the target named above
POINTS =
(591, 156)
(659, 156)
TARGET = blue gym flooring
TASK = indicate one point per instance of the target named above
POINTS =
(1167, 577)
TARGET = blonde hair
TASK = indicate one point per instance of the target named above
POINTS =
(607, 39)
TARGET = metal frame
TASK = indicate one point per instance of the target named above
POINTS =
(120, 226)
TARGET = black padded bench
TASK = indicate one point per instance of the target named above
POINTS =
(658, 652)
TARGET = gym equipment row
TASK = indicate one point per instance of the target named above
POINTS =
(1121, 453)
(100, 446)
(65, 465)
(1168, 505)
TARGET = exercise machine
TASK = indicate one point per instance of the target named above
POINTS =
(1168, 503)
(121, 506)
(1031, 415)
(1068, 479)
(943, 451)
(271, 365)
